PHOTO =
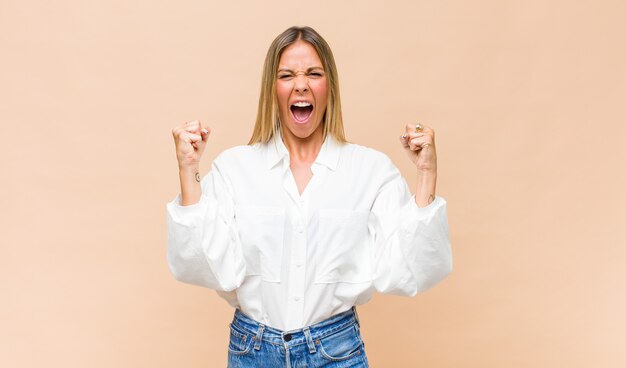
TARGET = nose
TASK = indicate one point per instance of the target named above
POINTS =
(301, 83)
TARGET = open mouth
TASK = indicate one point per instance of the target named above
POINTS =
(301, 111)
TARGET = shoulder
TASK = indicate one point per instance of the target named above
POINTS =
(369, 165)
(366, 155)
(238, 153)
(238, 161)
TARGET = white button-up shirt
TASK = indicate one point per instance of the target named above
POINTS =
(291, 260)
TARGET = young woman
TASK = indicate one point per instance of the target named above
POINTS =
(299, 226)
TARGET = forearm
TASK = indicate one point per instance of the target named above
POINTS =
(426, 185)
(189, 185)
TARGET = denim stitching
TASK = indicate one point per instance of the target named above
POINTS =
(248, 345)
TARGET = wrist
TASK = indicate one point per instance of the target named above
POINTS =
(427, 174)
(189, 175)
(191, 168)
(426, 186)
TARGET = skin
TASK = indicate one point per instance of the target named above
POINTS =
(301, 77)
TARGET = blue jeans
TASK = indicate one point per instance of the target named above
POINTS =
(334, 342)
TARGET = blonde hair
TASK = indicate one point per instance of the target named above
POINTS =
(267, 120)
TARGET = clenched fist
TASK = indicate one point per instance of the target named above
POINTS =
(418, 141)
(190, 139)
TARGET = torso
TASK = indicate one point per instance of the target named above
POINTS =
(334, 209)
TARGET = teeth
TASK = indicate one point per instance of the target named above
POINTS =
(301, 104)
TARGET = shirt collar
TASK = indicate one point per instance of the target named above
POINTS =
(276, 151)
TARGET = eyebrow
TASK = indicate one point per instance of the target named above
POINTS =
(308, 70)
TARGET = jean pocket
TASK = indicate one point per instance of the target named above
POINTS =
(341, 345)
(240, 343)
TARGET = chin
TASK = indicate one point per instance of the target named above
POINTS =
(303, 131)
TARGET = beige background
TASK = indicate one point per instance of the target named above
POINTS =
(526, 98)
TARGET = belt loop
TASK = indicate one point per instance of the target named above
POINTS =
(356, 316)
(259, 336)
(309, 340)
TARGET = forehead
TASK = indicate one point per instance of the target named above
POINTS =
(299, 55)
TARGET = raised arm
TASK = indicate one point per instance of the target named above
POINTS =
(203, 242)
(412, 249)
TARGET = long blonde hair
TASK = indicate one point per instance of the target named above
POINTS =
(267, 119)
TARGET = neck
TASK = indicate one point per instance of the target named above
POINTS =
(303, 149)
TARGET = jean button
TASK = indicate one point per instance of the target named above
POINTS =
(287, 337)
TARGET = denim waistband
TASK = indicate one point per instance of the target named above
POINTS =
(304, 335)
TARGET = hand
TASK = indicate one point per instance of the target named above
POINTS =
(420, 147)
(190, 139)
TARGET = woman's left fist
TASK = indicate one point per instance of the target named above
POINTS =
(418, 141)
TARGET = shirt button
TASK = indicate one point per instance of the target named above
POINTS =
(300, 229)
(298, 264)
(296, 298)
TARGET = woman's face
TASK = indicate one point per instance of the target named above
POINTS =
(301, 89)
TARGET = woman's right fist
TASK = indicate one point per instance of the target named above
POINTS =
(190, 139)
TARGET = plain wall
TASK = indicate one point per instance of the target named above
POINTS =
(527, 100)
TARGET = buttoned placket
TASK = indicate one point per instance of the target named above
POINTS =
(297, 261)
(297, 254)
(296, 233)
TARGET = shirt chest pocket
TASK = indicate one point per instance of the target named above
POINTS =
(261, 231)
(342, 251)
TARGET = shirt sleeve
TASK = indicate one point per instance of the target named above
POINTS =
(203, 246)
(411, 245)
